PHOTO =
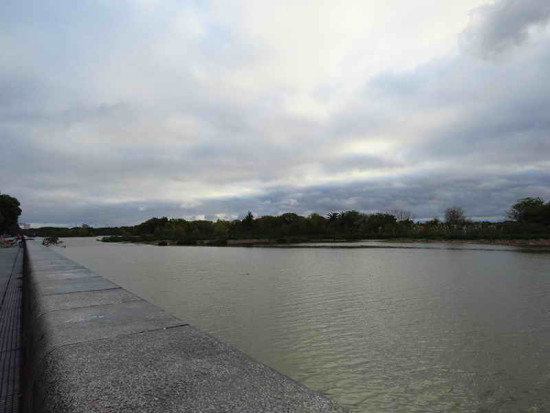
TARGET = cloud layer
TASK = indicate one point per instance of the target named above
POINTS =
(503, 24)
(111, 113)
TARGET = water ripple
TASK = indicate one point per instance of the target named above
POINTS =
(377, 330)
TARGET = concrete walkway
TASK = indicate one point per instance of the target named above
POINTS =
(11, 270)
(96, 347)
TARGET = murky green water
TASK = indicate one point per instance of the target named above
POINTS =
(377, 330)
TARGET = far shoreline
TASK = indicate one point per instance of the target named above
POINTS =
(531, 244)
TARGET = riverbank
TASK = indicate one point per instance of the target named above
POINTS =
(528, 243)
(389, 327)
(520, 243)
(94, 347)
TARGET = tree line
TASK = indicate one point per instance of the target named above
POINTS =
(528, 218)
(9, 214)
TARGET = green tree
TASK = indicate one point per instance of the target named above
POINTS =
(527, 210)
(379, 223)
(317, 224)
(455, 216)
(151, 226)
(248, 221)
(221, 228)
(9, 214)
(349, 221)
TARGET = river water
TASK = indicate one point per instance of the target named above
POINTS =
(431, 328)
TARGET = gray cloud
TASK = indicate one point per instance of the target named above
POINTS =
(503, 24)
(493, 115)
(111, 115)
(426, 195)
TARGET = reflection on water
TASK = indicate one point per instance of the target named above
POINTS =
(375, 329)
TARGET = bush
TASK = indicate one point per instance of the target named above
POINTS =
(53, 240)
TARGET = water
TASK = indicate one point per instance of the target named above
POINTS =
(376, 329)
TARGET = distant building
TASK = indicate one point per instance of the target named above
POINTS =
(24, 225)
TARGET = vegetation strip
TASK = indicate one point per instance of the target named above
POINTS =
(529, 222)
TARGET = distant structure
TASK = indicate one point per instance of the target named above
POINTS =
(24, 225)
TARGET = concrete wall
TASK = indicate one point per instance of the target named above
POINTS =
(94, 347)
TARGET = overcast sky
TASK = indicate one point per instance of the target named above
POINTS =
(112, 112)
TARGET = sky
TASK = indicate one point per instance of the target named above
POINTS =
(112, 112)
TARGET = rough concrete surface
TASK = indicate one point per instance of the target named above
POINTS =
(99, 348)
(86, 299)
(75, 285)
(173, 370)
